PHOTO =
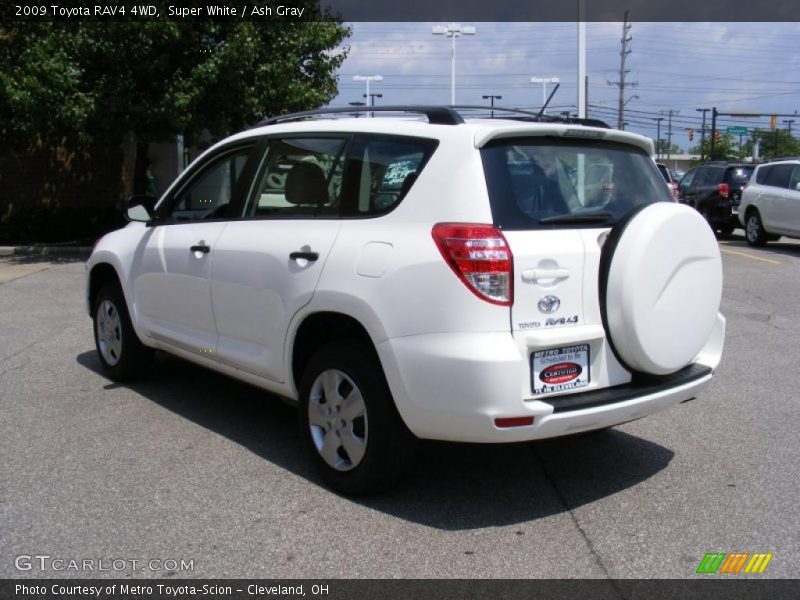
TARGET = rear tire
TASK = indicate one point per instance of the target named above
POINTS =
(726, 231)
(754, 229)
(121, 354)
(352, 430)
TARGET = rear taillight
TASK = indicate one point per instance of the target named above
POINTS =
(723, 189)
(479, 255)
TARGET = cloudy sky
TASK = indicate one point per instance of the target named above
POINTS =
(737, 67)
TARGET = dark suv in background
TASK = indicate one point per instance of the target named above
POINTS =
(715, 190)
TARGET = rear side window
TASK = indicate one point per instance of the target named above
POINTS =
(664, 173)
(761, 175)
(545, 182)
(779, 176)
(381, 170)
(709, 176)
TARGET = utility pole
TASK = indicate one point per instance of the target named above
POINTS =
(453, 31)
(658, 136)
(623, 55)
(712, 153)
(788, 123)
(492, 98)
(703, 134)
(670, 112)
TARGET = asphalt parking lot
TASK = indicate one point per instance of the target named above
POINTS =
(191, 466)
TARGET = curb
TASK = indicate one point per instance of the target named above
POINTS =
(55, 251)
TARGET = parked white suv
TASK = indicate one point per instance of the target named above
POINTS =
(770, 205)
(487, 280)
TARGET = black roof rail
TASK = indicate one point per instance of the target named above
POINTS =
(534, 117)
(777, 158)
(437, 115)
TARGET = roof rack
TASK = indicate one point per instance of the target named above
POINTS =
(437, 115)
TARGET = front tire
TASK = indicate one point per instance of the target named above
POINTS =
(354, 434)
(121, 354)
(754, 229)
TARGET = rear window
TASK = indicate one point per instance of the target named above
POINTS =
(740, 175)
(545, 182)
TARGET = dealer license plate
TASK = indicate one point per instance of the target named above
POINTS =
(559, 369)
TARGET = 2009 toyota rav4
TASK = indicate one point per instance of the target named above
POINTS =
(480, 280)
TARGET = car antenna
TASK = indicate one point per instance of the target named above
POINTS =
(550, 97)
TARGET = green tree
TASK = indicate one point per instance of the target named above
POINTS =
(162, 78)
(663, 148)
(773, 143)
(726, 148)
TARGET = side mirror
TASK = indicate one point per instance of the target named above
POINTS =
(140, 208)
(797, 187)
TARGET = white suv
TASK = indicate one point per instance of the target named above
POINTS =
(404, 278)
(770, 205)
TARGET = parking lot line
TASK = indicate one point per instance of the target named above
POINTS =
(766, 260)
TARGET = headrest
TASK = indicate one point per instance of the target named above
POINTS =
(306, 184)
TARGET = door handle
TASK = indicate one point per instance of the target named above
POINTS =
(200, 248)
(309, 256)
(544, 275)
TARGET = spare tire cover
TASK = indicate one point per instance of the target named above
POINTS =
(663, 287)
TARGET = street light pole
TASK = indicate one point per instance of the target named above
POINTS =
(356, 104)
(492, 98)
(544, 81)
(581, 59)
(372, 98)
(453, 31)
(368, 78)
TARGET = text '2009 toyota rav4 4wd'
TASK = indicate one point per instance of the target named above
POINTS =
(406, 278)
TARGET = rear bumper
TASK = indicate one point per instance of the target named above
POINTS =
(456, 385)
(725, 216)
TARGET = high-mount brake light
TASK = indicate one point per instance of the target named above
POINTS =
(480, 256)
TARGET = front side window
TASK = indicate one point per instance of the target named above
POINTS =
(300, 177)
(208, 194)
(541, 182)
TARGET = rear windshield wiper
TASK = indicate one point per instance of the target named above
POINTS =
(578, 218)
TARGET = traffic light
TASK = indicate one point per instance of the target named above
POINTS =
(716, 136)
(691, 134)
